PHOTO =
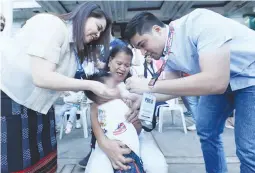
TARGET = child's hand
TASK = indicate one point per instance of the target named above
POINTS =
(132, 115)
(137, 103)
(135, 98)
(128, 102)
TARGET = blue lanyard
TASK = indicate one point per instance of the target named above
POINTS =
(152, 73)
(79, 66)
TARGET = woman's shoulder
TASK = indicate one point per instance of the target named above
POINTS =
(47, 19)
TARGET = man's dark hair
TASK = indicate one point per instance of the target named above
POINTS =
(99, 77)
(141, 23)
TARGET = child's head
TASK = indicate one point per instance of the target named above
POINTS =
(103, 77)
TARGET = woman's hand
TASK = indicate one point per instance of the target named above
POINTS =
(115, 150)
(103, 91)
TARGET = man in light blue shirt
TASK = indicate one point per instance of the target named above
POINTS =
(220, 55)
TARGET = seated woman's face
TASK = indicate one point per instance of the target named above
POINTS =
(120, 66)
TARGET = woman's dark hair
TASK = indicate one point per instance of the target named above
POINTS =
(79, 17)
(114, 52)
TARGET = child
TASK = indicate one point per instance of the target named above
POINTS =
(111, 117)
(72, 104)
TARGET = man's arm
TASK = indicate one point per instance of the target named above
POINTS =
(165, 97)
(137, 98)
(213, 78)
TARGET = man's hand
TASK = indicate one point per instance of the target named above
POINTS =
(137, 103)
(115, 150)
(137, 85)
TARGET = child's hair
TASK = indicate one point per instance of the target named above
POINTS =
(99, 77)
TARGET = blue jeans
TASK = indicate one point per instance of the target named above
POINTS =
(211, 114)
(191, 103)
(67, 107)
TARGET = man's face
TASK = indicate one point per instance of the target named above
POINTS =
(150, 43)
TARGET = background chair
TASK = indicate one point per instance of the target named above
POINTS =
(172, 105)
(84, 112)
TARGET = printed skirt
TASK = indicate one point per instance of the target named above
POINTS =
(28, 139)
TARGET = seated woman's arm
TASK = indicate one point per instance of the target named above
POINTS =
(113, 149)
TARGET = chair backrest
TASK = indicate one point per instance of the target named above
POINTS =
(172, 101)
(83, 101)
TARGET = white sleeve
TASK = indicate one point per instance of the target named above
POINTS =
(48, 33)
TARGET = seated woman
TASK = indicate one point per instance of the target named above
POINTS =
(119, 66)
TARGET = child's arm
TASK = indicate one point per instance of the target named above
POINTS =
(99, 134)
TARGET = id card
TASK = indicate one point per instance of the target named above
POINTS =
(147, 107)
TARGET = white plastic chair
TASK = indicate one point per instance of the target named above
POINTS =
(84, 113)
(172, 105)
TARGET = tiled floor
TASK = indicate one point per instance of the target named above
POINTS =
(182, 152)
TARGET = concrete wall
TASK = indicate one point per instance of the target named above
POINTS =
(239, 19)
(17, 25)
